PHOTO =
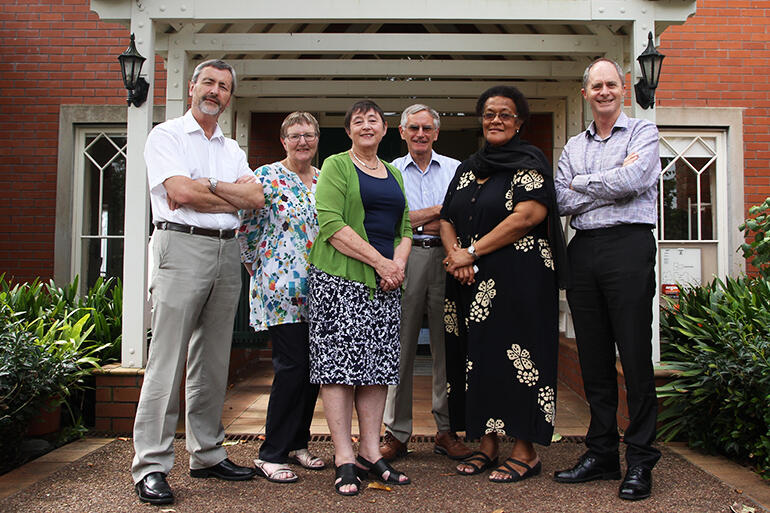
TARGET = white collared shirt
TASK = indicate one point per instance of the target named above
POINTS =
(179, 147)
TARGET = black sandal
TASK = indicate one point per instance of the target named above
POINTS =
(347, 475)
(379, 467)
(477, 457)
(512, 474)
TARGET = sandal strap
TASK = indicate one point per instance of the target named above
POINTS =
(517, 462)
(379, 468)
(347, 473)
(477, 457)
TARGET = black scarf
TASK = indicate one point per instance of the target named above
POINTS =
(511, 157)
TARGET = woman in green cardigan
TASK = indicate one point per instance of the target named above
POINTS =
(358, 262)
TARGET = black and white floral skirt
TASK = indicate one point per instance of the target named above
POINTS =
(354, 339)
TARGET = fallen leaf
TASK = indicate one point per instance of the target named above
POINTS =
(354, 438)
(379, 486)
(556, 437)
(124, 439)
(741, 508)
(90, 464)
(261, 437)
(228, 443)
(499, 510)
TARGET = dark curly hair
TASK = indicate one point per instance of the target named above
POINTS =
(518, 98)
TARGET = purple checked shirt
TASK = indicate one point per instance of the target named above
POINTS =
(604, 193)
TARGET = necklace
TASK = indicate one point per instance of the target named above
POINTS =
(358, 159)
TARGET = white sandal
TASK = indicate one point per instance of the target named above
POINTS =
(263, 470)
(306, 460)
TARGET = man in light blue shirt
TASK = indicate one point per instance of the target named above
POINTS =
(426, 178)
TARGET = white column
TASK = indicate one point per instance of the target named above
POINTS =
(642, 26)
(135, 313)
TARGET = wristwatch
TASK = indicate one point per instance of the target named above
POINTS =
(213, 184)
(472, 251)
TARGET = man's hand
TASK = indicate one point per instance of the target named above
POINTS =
(246, 179)
(632, 157)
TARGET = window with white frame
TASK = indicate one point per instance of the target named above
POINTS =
(100, 179)
(692, 194)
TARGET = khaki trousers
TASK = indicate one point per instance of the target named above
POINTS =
(195, 284)
(424, 291)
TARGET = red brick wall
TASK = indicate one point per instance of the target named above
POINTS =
(52, 52)
(721, 58)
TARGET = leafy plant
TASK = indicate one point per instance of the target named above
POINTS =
(757, 250)
(41, 364)
(717, 338)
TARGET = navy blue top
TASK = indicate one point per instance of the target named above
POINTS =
(384, 205)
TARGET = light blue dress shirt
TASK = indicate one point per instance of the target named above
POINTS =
(604, 193)
(426, 189)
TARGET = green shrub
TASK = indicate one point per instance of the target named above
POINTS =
(757, 249)
(49, 303)
(717, 337)
(41, 364)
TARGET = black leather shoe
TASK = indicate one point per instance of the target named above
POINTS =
(588, 468)
(154, 488)
(637, 484)
(226, 470)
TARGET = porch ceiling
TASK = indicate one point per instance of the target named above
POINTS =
(450, 49)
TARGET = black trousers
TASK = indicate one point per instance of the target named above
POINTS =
(292, 396)
(611, 303)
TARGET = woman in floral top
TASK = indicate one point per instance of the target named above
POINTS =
(275, 244)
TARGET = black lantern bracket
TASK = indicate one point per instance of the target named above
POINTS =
(131, 62)
(650, 62)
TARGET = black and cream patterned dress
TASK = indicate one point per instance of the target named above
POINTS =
(502, 331)
(355, 337)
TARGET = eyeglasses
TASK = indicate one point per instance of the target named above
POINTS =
(416, 128)
(296, 137)
(504, 116)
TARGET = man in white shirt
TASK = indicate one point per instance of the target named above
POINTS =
(198, 181)
(426, 178)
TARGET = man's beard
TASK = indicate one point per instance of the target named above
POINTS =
(207, 109)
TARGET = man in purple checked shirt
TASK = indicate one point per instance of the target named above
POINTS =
(607, 181)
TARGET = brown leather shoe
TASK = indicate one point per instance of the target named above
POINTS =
(391, 447)
(449, 444)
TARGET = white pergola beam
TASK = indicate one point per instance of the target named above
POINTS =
(396, 88)
(412, 44)
(398, 11)
(301, 68)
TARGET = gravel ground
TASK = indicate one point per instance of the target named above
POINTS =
(101, 482)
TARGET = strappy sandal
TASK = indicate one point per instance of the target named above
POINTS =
(303, 458)
(347, 475)
(479, 462)
(512, 475)
(379, 467)
(262, 471)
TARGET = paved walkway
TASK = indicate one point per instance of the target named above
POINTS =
(246, 406)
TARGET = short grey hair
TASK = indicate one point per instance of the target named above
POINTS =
(298, 118)
(214, 63)
(419, 107)
(621, 74)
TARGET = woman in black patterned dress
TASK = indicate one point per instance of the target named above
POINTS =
(501, 230)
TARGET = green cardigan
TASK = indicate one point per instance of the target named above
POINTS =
(338, 202)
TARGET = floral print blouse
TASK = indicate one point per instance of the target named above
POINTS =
(277, 240)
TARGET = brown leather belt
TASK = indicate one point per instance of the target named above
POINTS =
(434, 242)
(194, 230)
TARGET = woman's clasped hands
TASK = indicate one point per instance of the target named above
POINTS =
(459, 263)
(391, 273)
